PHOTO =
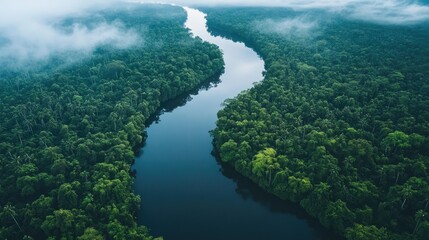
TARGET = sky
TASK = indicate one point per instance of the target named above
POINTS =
(29, 28)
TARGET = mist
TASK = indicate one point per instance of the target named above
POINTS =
(297, 27)
(32, 31)
(398, 12)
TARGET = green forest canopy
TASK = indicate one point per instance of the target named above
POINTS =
(340, 123)
(68, 131)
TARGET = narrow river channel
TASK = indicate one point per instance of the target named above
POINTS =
(186, 193)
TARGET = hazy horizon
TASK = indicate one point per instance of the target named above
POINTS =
(401, 12)
(29, 29)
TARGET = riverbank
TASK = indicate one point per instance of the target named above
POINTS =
(323, 132)
(186, 193)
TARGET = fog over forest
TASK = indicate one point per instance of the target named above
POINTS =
(34, 30)
(305, 118)
(29, 29)
(381, 11)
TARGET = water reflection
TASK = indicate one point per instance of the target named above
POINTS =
(248, 190)
(181, 100)
(186, 193)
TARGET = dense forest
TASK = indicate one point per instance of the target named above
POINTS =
(340, 124)
(68, 131)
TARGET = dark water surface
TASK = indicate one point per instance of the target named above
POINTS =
(186, 193)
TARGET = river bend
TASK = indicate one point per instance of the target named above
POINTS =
(186, 193)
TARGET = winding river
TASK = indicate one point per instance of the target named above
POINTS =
(186, 193)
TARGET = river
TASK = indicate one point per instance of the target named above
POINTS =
(188, 194)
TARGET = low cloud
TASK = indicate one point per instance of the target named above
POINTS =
(297, 27)
(400, 12)
(389, 12)
(33, 30)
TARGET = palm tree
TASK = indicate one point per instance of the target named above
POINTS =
(407, 192)
(9, 209)
(419, 216)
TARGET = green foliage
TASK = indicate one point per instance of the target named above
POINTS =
(90, 234)
(68, 132)
(347, 112)
(361, 232)
(228, 150)
(264, 164)
(337, 216)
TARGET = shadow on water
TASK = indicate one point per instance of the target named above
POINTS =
(247, 189)
(186, 193)
(181, 100)
(170, 105)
